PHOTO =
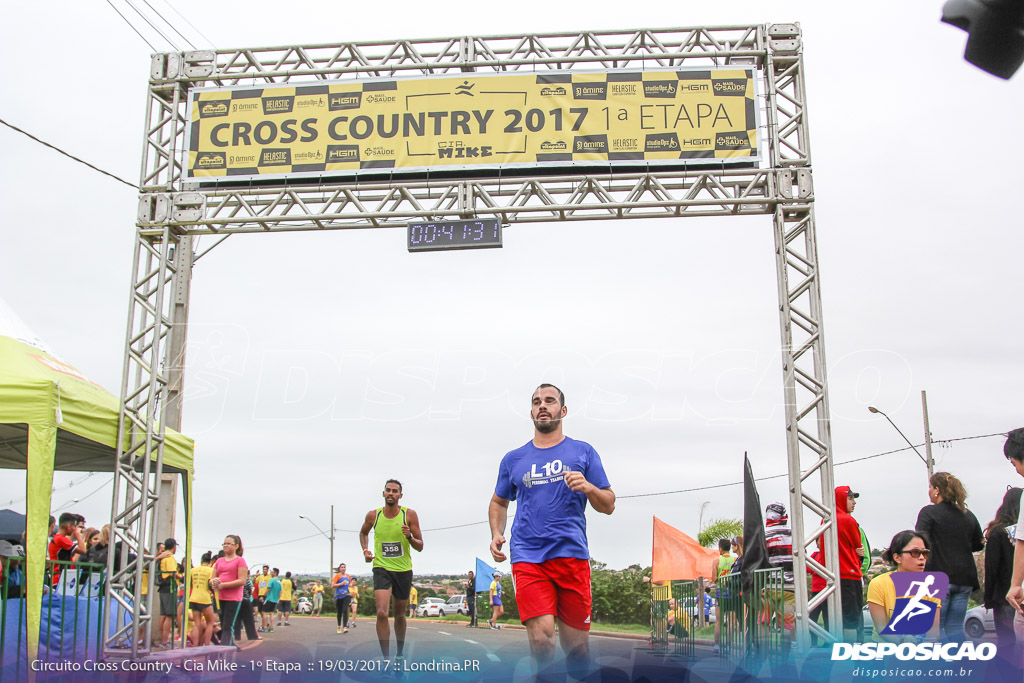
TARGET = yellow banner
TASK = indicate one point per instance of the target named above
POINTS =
(586, 119)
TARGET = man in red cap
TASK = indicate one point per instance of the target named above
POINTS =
(851, 553)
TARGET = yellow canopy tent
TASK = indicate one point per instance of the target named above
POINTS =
(54, 418)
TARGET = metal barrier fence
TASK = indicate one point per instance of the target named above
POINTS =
(71, 615)
(660, 596)
(754, 626)
(772, 610)
(688, 602)
(671, 623)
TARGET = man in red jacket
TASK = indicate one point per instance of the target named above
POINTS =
(851, 553)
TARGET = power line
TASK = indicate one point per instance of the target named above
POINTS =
(294, 540)
(152, 25)
(191, 25)
(86, 496)
(53, 489)
(70, 156)
(779, 476)
(173, 27)
(132, 26)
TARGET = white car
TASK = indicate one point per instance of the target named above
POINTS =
(303, 606)
(691, 609)
(431, 607)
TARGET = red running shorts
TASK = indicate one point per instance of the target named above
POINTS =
(559, 586)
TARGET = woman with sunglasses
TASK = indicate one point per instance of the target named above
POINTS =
(909, 551)
(955, 535)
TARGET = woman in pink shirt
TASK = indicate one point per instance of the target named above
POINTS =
(229, 575)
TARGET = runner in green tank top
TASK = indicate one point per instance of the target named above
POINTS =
(396, 530)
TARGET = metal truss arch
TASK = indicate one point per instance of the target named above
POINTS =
(171, 210)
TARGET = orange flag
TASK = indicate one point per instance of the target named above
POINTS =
(678, 557)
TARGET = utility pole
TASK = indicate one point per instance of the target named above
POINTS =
(331, 570)
(927, 437)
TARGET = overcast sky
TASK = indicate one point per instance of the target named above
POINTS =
(322, 364)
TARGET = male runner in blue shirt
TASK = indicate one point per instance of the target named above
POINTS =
(552, 477)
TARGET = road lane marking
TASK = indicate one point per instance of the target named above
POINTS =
(444, 633)
(493, 657)
(472, 642)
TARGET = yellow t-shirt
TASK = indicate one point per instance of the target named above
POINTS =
(353, 590)
(286, 589)
(261, 584)
(168, 567)
(199, 585)
(662, 590)
(317, 589)
(684, 619)
(882, 591)
(145, 582)
(414, 597)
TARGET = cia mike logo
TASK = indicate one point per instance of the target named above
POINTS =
(918, 596)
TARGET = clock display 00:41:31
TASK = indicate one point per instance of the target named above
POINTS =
(483, 233)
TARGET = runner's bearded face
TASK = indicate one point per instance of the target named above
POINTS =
(392, 495)
(545, 411)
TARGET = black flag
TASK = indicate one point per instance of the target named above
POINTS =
(755, 550)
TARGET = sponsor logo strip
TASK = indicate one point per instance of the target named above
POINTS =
(420, 124)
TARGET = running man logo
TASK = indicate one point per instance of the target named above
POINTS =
(918, 597)
(211, 108)
(465, 89)
(344, 100)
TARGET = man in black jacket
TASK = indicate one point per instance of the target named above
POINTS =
(471, 599)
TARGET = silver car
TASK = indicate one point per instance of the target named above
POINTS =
(456, 605)
(978, 622)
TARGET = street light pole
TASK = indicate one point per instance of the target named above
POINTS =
(322, 533)
(700, 519)
(927, 437)
(928, 461)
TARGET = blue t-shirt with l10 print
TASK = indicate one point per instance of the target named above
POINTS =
(549, 520)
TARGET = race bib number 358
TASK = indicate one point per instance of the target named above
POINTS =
(391, 550)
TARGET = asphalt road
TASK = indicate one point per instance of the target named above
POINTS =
(312, 650)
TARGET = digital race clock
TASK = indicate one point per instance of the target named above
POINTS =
(482, 233)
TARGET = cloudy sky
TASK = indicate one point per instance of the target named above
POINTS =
(322, 364)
